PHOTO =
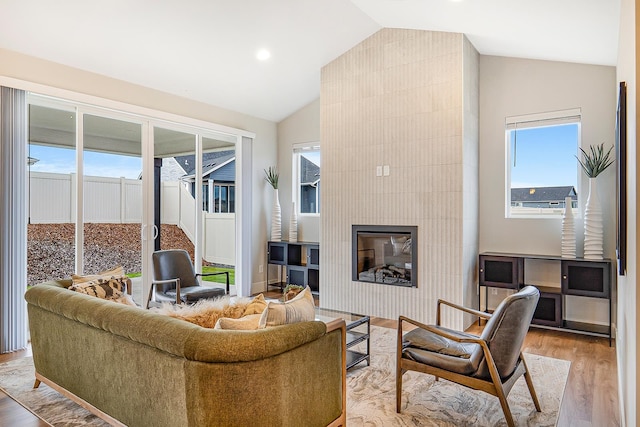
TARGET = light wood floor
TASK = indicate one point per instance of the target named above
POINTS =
(590, 399)
(591, 395)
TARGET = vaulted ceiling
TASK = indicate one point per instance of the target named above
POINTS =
(206, 49)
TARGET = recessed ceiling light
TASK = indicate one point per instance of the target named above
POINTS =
(263, 54)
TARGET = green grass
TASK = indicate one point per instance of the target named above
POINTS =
(206, 269)
(222, 278)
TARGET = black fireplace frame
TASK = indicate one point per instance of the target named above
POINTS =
(382, 230)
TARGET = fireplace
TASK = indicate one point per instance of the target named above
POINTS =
(385, 254)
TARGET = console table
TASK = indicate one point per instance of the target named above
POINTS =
(579, 277)
(299, 263)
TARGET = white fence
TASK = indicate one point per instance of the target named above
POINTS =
(119, 200)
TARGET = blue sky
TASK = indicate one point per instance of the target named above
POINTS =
(545, 157)
(63, 160)
(312, 156)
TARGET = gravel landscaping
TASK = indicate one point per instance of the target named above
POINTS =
(51, 248)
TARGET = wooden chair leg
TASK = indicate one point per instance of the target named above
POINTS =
(399, 370)
(398, 390)
(505, 408)
(36, 384)
(532, 391)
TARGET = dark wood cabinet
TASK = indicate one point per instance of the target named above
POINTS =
(501, 271)
(549, 309)
(586, 278)
(299, 263)
(579, 277)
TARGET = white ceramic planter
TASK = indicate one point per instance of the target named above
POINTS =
(593, 230)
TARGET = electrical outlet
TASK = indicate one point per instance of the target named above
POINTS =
(494, 291)
(260, 268)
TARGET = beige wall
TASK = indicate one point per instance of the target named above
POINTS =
(511, 87)
(47, 73)
(397, 99)
(301, 127)
(627, 343)
(470, 153)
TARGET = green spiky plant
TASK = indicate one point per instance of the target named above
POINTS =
(271, 176)
(595, 162)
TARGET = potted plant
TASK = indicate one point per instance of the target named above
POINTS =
(593, 164)
(272, 176)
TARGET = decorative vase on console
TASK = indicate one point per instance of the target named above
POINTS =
(593, 164)
(568, 231)
(293, 224)
(271, 176)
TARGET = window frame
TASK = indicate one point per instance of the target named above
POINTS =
(227, 186)
(297, 149)
(539, 120)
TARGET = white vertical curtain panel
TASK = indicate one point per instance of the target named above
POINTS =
(13, 219)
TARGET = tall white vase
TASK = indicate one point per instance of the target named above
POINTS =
(593, 230)
(276, 219)
(293, 224)
(568, 249)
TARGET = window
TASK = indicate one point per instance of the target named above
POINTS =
(224, 198)
(306, 173)
(542, 168)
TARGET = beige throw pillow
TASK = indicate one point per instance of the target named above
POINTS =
(299, 309)
(247, 323)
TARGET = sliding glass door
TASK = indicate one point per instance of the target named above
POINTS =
(113, 187)
(51, 210)
(191, 212)
(112, 214)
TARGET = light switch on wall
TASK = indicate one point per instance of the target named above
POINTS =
(386, 170)
(378, 170)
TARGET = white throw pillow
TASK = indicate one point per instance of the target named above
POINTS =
(249, 322)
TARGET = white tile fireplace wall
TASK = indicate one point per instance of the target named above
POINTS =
(402, 104)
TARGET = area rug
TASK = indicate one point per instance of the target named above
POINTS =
(370, 394)
(17, 378)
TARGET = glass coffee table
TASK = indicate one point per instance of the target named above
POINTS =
(358, 330)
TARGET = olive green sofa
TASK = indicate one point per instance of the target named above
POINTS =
(140, 368)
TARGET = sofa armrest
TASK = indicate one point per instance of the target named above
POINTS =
(340, 325)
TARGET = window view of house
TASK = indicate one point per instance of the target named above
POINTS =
(218, 179)
(542, 165)
(307, 162)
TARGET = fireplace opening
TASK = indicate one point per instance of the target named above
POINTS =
(385, 254)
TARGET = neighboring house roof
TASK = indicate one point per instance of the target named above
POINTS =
(210, 162)
(171, 170)
(543, 194)
(309, 171)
